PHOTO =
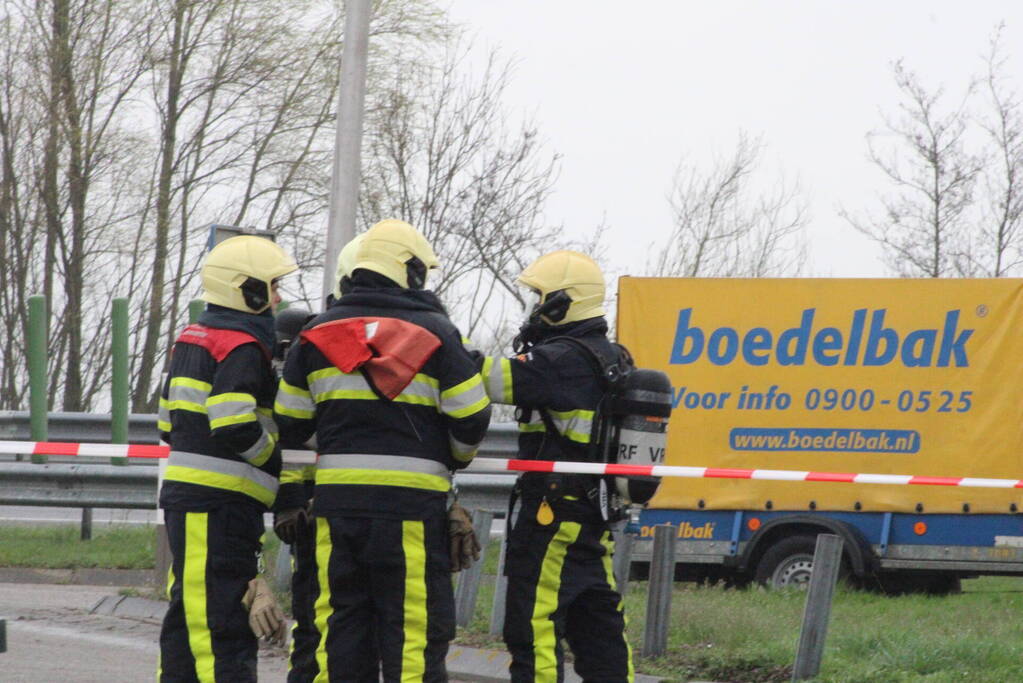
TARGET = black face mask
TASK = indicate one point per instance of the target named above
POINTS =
(554, 308)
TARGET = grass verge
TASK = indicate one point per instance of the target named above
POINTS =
(58, 546)
(750, 636)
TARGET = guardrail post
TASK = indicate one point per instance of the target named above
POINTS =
(500, 586)
(827, 558)
(119, 382)
(658, 599)
(468, 585)
(3, 635)
(622, 561)
(37, 399)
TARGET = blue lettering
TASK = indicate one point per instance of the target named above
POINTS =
(880, 345)
(718, 356)
(801, 336)
(855, 333)
(828, 339)
(757, 339)
(879, 333)
(921, 358)
(682, 333)
(953, 345)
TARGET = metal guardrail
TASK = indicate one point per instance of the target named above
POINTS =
(77, 482)
(80, 427)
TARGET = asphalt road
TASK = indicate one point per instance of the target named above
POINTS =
(51, 636)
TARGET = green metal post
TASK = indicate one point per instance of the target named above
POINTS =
(195, 307)
(38, 403)
(119, 389)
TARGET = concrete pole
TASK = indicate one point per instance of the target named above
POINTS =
(344, 185)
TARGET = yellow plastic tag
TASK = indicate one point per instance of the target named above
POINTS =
(544, 514)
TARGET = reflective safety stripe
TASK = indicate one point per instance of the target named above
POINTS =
(361, 461)
(296, 473)
(535, 423)
(574, 424)
(331, 383)
(382, 470)
(259, 452)
(266, 421)
(231, 408)
(163, 422)
(321, 608)
(465, 399)
(462, 452)
(193, 595)
(294, 402)
(185, 393)
(221, 473)
(414, 619)
(609, 550)
(545, 659)
(497, 378)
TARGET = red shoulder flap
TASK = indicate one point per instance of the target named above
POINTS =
(217, 341)
(389, 350)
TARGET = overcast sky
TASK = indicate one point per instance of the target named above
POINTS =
(623, 90)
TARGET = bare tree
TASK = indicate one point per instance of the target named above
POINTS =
(724, 226)
(998, 249)
(442, 155)
(924, 227)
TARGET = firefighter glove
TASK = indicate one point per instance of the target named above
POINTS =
(465, 549)
(288, 522)
(265, 616)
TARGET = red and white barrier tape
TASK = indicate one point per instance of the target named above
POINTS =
(494, 465)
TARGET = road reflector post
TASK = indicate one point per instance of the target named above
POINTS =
(3, 635)
(468, 583)
(827, 559)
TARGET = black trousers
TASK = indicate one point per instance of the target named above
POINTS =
(384, 604)
(304, 636)
(561, 586)
(205, 635)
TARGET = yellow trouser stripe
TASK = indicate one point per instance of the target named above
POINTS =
(413, 651)
(545, 659)
(322, 607)
(193, 594)
(609, 550)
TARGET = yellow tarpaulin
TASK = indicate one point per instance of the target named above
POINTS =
(887, 376)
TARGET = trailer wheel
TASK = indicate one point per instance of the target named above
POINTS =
(788, 563)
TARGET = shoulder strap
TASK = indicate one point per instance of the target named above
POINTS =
(610, 371)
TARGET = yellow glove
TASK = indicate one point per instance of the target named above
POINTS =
(265, 616)
(465, 549)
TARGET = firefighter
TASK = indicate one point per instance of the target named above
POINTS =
(560, 581)
(222, 470)
(396, 404)
(293, 522)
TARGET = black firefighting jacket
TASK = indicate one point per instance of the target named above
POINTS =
(394, 400)
(558, 379)
(216, 412)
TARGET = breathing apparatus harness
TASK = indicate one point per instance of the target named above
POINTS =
(630, 420)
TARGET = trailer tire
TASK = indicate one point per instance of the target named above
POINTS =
(789, 563)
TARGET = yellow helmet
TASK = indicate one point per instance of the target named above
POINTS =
(570, 285)
(239, 271)
(346, 264)
(397, 251)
